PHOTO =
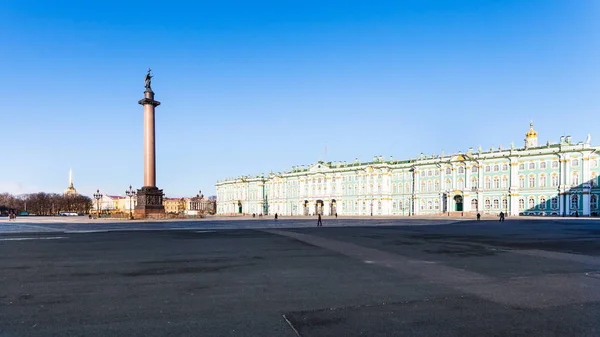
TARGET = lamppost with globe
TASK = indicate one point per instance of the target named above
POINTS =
(98, 196)
(130, 193)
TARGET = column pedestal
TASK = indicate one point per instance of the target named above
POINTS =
(149, 203)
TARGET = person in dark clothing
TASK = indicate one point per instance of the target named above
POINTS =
(501, 216)
(275, 216)
(478, 216)
(319, 222)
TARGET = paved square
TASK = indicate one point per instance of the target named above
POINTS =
(287, 278)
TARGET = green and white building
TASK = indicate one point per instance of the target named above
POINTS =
(551, 179)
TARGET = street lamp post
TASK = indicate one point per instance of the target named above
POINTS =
(97, 196)
(130, 193)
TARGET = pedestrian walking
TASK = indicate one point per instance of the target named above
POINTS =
(336, 215)
(275, 216)
(478, 216)
(501, 216)
(319, 222)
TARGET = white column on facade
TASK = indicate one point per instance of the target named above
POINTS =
(585, 182)
(514, 186)
(415, 204)
(585, 199)
(454, 172)
(567, 170)
(326, 207)
(585, 169)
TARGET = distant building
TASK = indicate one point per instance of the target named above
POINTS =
(190, 206)
(175, 205)
(201, 205)
(71, 191)
(550, 179)
(111, 204)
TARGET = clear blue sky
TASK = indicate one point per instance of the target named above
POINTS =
(249, 87)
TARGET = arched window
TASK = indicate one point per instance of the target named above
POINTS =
(504, 204)
(531, 181)
(575, 162)
(521, 204)
(575, 180)
(429, 186)
(521, 181)
(474, 169)
(429, 173)
(594, 180)
(532, 166)
(543, 165)
(542, 203)
(594, 201)
(554, 180)
(422, 186)
(394, 189)
(474, 205)
(448, 170)
(554, 164)
(542, 180)
(487, 204)
(461, 184)
(488, 183)
(487, 168)
(531, 203)
(475, 182)
(429, 205)
(496, 168)
(448, 184)
(496, 182)
(554, 203)
(504, 167)
(521, 166)
(436, 185)
(394, 205)
(437, 204)
(496, 203)
(574, 202)
(504, 182)
(461, 170)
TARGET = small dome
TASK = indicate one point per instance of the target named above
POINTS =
(531, 133)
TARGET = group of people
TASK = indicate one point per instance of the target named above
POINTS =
(12, 216)
(319, 220)
(501, 215)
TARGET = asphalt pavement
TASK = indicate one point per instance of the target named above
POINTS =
(352, 277)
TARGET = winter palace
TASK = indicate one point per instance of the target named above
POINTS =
(551, 179)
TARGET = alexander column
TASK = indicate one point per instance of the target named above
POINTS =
(149, 197)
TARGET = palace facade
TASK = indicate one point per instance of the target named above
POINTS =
(551, 179)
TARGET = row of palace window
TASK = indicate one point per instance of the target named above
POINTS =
(429, 186)
(504, 167)
(356, 206)
(541, 203)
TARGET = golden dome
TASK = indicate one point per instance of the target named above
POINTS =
(531, 133)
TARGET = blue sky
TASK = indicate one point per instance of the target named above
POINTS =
(249, 87)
